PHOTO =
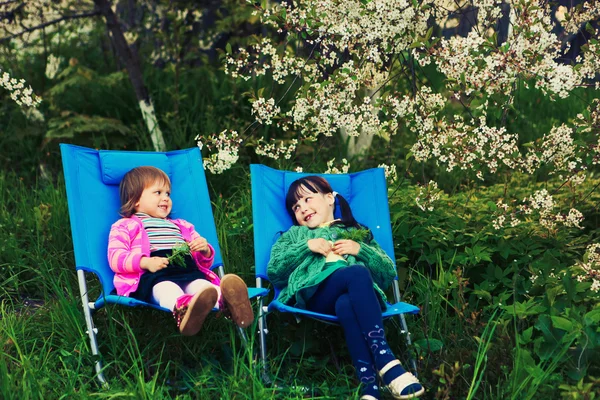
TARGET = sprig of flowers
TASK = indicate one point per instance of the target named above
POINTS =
(226, 150)
(589, 268)
(390, 172)
(265, 110)
(21, 95)
(272, 150)
(427, 195)
(540, 204)
(339, 169)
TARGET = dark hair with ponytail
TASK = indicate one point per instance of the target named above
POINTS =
(316, 184)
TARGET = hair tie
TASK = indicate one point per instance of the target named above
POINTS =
(334, 193)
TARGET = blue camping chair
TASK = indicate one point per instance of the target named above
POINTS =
(92, 180)
(366, 193)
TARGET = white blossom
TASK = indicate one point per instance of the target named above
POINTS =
(21, 95)
(264, 110)
(427, 195)
(390, 172)
(339, 169)
(225, 149)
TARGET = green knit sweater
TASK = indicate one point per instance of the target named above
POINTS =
(297, 271)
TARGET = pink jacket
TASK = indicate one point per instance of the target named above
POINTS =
(128, 242)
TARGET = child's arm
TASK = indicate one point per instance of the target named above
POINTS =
(287, 254)
(201, 245)
(120, 257)
(202, 251)
(378, 262)
(154, 264)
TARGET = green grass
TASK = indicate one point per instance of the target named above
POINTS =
(44, 349)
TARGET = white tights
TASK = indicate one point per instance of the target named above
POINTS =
(166, 293)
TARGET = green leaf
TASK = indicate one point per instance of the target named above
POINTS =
(228, 48)
(589, 28)
(429, 344)
(553, 292)
(525, 309)
(357, 235)
(562, 323)
(544, 325)
(483, 294)
(429, 33)
(526, 335)
(592, 318)
(178, 254)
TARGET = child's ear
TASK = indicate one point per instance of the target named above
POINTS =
(330, 199)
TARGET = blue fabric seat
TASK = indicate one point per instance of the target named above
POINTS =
(365, 191)
(92, 180)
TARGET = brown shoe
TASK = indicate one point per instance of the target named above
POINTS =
(191, 311)
(235, 299)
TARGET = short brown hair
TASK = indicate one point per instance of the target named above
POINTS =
(133, 184)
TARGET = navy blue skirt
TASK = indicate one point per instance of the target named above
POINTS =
(173, 273)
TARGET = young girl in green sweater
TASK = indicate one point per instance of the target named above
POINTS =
(334, 266)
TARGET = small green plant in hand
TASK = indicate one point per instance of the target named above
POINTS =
(357, 235)
(178, 255)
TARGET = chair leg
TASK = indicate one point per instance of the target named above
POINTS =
(403, 324)
(91, 330)
(262, 331)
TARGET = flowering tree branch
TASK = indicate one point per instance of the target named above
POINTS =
(367, 74)
(50, 23)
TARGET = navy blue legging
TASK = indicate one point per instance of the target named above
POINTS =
(348, 293)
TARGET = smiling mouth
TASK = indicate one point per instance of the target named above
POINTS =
(309, 217)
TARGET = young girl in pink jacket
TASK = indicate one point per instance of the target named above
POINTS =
(139, 246)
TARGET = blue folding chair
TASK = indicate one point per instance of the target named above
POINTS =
(366, 192)
(92, 180)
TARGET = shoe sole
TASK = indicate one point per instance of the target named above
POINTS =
(235, 297)
(198, 308)
(414, 395)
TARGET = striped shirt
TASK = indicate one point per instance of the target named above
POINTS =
(162, 233)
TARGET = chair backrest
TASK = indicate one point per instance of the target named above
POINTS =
(92, 180)
(366, 192)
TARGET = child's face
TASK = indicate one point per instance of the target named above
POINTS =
(155, 200)
(313, 209)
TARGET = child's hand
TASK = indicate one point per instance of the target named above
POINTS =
(153, 264)
(320, 246)
(346, 246)
(200, 244)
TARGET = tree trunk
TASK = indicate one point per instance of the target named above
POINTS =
(132, 64)
(358, 145)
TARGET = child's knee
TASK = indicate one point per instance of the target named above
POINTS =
(197, 285)
(359, 272)
(343, 305)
